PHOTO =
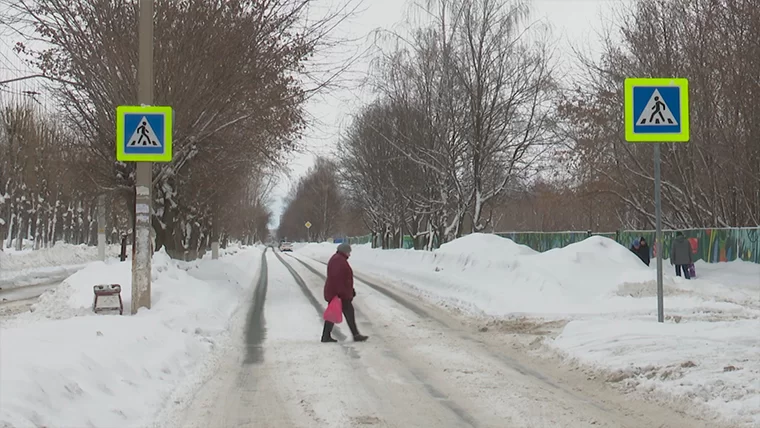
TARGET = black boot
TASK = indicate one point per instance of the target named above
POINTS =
(348, 311)
(327, 333)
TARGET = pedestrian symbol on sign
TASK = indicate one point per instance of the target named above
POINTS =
(144, 136)
(656, 112)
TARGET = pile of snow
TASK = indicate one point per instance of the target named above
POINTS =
(706, 352)
(485, 248)
(299, 245)
(490, 275)
(26, 244)
(30, 267)
(60, 254)
(231, 249)
(713, 364)
(63, 365)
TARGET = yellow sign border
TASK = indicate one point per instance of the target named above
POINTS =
(166, 156)
(631, 136)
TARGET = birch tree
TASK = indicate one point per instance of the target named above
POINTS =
(465, 103)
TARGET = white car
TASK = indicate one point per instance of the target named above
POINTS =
(286, 246)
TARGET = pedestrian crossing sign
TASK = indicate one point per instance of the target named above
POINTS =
(657, 110)
(144, 133)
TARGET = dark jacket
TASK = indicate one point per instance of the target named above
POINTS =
(680, 252)
(642, 253)
(340, 278)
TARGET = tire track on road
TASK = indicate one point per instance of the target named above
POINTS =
(239, 393)
(255, 331)
(462, 414)
(27, 292)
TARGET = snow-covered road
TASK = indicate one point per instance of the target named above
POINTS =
(26, 292)
(422, 367)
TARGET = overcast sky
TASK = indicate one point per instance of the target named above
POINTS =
(574, 24)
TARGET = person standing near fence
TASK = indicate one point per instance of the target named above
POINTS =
(641, 249)
(680, 255)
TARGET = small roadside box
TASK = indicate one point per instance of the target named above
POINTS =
(107, 298)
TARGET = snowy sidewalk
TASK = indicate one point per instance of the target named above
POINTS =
(706, 353)
(62, 358)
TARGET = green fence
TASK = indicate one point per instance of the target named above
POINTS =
(360, 240)
(713, 245)
(544, 241)
(408, 242)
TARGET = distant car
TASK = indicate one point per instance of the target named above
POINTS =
(286, 246)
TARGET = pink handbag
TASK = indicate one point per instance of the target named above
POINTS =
(334, 311)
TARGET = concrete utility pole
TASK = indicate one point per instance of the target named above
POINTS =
(102, 227)
(141, 263)
(215, 234)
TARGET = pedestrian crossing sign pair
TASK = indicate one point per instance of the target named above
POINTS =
(656, 110)
(144, 134)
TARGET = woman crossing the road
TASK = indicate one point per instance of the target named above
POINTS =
(340, 283)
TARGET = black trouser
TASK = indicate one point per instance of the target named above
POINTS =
(685, 271)
(348, 313)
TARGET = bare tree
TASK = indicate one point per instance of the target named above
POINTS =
(379, 177)
(464, 108)
(246, 217)
(507, 88)
(41, 198)
(316, 199)
(710, 181)
(230, 69)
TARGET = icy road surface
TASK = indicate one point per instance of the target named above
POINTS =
(420, 368)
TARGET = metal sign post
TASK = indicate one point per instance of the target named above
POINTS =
(658, 233)
(657, 111)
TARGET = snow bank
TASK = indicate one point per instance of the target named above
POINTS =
(706, 353)
(60, 254)
(298, 245)
(62, 365)
(47, 264)
(483, 249)
(710, 363)
(487, 274)
(493, 276)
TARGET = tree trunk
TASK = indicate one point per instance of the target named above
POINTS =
(20, 230)
(38, 230)
(11, 222)
(53, 234)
